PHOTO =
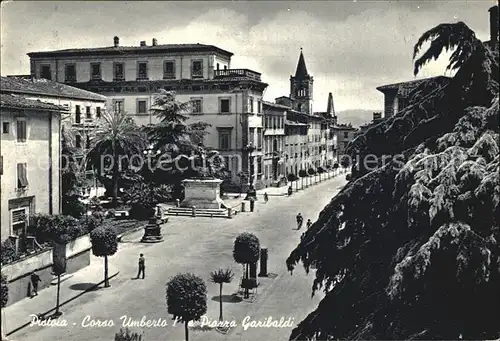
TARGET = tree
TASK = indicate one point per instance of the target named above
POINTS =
(58, 269)
(114, 142)
(220, 277)
(186, 299)
(104, 243)
(302, 174)
(177, 142)
(127, 335)
(321, 170)
(246, 251)
(4, 295)
(409, 250)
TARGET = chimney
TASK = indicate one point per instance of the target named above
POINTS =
(377, 116)
(493, 24)
(143, 43)
(155, 42)
(116, 41)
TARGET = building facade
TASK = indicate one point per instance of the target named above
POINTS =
(274, 144)
(230, 100)
(30, 160)
(84, 108)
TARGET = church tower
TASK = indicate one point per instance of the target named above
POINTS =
(301, 87)
(330, 109)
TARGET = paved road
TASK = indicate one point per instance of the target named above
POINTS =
(200, 245)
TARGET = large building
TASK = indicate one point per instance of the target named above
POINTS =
(85, 109)
(230, 100)
(29, 170)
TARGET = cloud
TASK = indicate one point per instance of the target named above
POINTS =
(350, 48)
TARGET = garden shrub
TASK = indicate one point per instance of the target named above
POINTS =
(8, 252)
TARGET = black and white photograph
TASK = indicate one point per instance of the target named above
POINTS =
(250, 170)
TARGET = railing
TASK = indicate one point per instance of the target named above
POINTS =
(237, 73)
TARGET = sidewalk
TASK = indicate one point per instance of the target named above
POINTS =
(17, 315)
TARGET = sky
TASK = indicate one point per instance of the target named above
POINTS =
(350, 47)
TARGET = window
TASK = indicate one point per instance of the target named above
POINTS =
(142, 70)
(70, 73)
(98, 112)
(21, 130)
(77, 114)
(259, 165)
(118, 105)
(169, 69)
(251, 136)
(5, 127)
(346, 134)
(118, 72)
(225, 105)
(141, 106)
(224, 138)
(197, 69)
(259, 138)
(95, 71)
(250, 104)
(19, 220)
(259, 107)
(87, 146)
(88, 113)
(22, 175)
(197, 105)
(78, 141)
(46, 72)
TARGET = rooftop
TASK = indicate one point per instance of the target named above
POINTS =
(275, 105)
(20, 102)
(114, 50)
(47, 88)
(410, 84)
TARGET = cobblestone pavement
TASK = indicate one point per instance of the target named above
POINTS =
(200, 245)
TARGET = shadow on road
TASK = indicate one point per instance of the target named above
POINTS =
(83, 286)
(228, 298)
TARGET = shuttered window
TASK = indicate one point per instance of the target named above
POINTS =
(22, 176)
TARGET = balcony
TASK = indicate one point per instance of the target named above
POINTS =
(237, 73)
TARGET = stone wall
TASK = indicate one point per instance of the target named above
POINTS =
(18, 274)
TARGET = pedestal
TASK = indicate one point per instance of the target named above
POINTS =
(152, 232)
(204, 193)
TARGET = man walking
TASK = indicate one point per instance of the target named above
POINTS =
(252, 204)
(300, 220)
(34, 283)
(266, 198)
(309, 223)
(142, 266)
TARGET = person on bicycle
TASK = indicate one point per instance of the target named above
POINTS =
(266, 197)
(309, 223)
(300, 220)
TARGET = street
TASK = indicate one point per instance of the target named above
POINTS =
(199, 246)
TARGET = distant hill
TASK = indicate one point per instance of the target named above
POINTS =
(356, 117)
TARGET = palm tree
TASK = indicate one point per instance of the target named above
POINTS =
(220, 277)
(116, 138)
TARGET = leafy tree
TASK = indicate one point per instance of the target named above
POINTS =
(410, 250)
(186, 299)
(115, 141)
(302, 174)
(143, 199)
(220, 277)
(320, 171)
(8, 252)
(72, 175)
(246, 251)
(175, 141)
(127, 335)
(104, 243)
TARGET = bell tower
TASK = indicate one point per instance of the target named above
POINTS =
(301, 87)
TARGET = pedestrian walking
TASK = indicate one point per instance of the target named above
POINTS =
(290, 190)
(142, 266)
(34, 283)
(252, 204)
(309, 223)
(300, 220)
(266, 197)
